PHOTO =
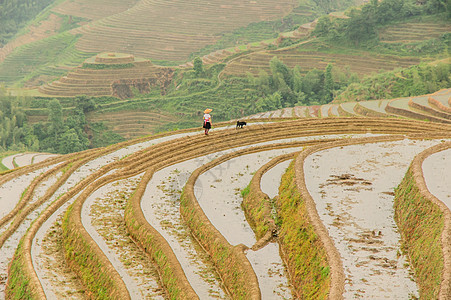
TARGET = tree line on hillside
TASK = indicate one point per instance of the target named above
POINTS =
(14, 14)
(235, 97)
(362, 24)
(57, 135)
(285, 87)
(413, 81)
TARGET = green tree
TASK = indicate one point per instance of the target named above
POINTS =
(278, 67)
(70, 142)
(84, 103)
(324, 5)
(55, 119)
(198, 66)
(271, 102)
(323, 26)
(328, 84)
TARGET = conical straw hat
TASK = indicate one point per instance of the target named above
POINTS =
(208, 110)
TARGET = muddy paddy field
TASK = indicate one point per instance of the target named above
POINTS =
(311, 211)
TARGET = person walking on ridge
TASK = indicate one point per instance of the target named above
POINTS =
(207, 120)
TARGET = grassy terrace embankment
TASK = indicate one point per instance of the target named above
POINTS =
(425, 226)
(256, 204)
(292, 240)
(84, 254)
(302, 250)
(24, 280)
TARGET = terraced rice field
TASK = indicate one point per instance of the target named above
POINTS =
(147, 28)
(42, 61)
(359, 63)
(132, 124)
(418, 108)
(24, 159)
(413, 32)
(38, 32)
(93, 9)
(434, 107)
(99, 82)
(185, 216)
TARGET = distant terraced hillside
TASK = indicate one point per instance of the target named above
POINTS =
(435, 107)
(359, 62)
(41, 61)
(93, 9)
(165, 30)
(110, 74)
(414, 32)
(131, 124)
(157, 30)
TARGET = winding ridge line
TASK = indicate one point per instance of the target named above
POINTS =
(21, 212)
(28, 194)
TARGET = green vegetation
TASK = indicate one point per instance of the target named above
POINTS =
(107, 66)
(303, 252)
(15, 14)
(83, 258)
(69, 22)
(15, 133)
(257, 209)
(306, 11)
(41, 58)
(362, 24)
(57, 135)
(413, 81)
(18, 287)
(420, 222)
(285, 87)
(61, 135)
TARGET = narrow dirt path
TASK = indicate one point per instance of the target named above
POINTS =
(353, 188)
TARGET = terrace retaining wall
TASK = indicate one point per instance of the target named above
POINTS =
(425, 226)
(364, 111)
(439, 105)
(413, 115)
(429, 110)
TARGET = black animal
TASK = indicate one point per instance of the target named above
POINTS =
(240, 124)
